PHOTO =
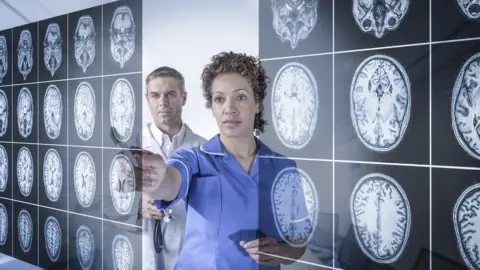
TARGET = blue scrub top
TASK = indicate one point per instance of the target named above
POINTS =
(225, 205)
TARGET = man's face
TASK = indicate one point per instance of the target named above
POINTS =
(165, 100)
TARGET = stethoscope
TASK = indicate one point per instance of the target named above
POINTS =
(157, 231)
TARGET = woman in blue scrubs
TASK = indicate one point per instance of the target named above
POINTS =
(245, 203)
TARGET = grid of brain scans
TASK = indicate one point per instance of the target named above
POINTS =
(378, 104)
(70, 110)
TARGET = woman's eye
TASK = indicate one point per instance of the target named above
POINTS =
(218, 100)
(242, 97)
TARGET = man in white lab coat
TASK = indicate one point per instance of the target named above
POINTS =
(166, 95)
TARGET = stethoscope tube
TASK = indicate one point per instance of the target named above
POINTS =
(157, 231)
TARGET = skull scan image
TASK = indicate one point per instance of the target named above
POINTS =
(465, 106)
(379, 17)
(122, 184)
(3, 113)
(25, 53)
(470, 8)
(85, 247)
(380, 102)
(52, 175)
(122, 109)
(84, 110)
(122, 35)
(3, 168)
(84, 179)
(52, 111)
(294, 105)
(286, 194)
(25, 230)
(85, 42)
(3, 224)
(25, 171)
(53, 238)
(466, 221)
(294, 20)
(25, 112)
(381, 217)
(52, 48)
(122, 253)
(3, 57)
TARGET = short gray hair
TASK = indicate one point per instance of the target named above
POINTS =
(166, 71)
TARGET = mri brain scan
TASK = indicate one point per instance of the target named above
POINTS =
(85, 247)
(122, 109)
(25, 112)
(3, 168)
(53, 238)
(122, 184)
(466, 223)
(85, 42)
(122, 35)
(84, 110)
(294, 105)
(470, 8)
(294, 20)
(3, 113)
(380, 102)
(3, 57)
(25, 171)
(379, 17)
(122, 253)
(52, 111)
(287, 199)
(465, 107)
(84, 179)
(52, 175)
(3, 224)
(381, 217)
(52, 48)
(25, 230)
(25, 53)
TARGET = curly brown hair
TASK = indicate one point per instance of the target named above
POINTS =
(248, 67)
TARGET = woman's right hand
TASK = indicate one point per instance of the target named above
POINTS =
(152, 174)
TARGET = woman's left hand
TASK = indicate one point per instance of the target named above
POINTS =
(258, 247)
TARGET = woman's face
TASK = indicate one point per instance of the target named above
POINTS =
(233, 105)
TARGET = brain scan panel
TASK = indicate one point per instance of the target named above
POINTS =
(25, 171)
(470, 8)
(465, 107)
(381, 217)
(380, 102)
(122, 253)
(84, 179)
(3, 57)
(84, 110)
(85, 247)
(122, 109)
(3, 113)
(3, 224)
(52, 175)
(294, 20)
(122, 35)
(52, 111)
(25, 230)
(379, 17)
(25, 53)
(53, 238)
(286, 198)
(3, 168)
(466, 222)
(25, 109)
(85, 42)
(122, 184)
(294, 105)
(52, 48)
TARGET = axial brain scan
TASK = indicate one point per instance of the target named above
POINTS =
(380, 102)
(25, 53)
(52, 111)
(465, 107)
(3, 224)
(85, 247)
(3, 57)
(294, 20)
(25, 171)
(84, 110)
(122, 35)
(25, 230)
(122, 109)
(122, 184)
(379, 17)
(470, 8)
(84, 179)
(466, 223)
(3, 113)
(294, 105)
(52, 48)
(122, 253)
(53, 238)
(53, 175)
(85, 42)
(381, 217)
(286, 197)
(25, 112)
(3, 168)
